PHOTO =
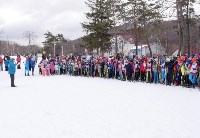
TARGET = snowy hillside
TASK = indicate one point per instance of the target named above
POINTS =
(78, 107)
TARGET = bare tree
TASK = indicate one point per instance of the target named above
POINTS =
(30, 36)
(1, 32)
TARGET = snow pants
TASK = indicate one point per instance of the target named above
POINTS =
(163, 75)
(169, 77)
(1, 66)
(32, 69)
(12, 78)
(143, 76)
(6, 68)
(155, 77)
(192, 78)
(26, 71)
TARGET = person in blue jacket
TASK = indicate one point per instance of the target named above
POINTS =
(6, 62)
(111, 67)
(11, 71)
(32, 63)
(128, 70)
(27, 67)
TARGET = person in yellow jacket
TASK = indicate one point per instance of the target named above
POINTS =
(185, 74)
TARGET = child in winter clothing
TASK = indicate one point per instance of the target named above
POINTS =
(1, 63)
(111, 66)
(27, 67)
(6, 62)
(187, 72)
(128, 71)
(18, 62)
(52, 68)
(198, 80)
(47, 69)
(143, 71)
(163, 71)
(137, 71)
(43, 69)
(155, 72)
(61, 68)
(32, 66)
(149, 71)
(170, 66)
(193, 72)
(57, 69)
(64, 68)
(123, 68)
(40, 70)
(70, 69)
(177, 70)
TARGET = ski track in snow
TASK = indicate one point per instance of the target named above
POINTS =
(78, 107)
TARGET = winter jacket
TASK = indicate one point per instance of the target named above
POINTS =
(149, 66)
(57, 67)
(178, 68)
(170, 66)
(143, 67)
(128, 68)
(193, 68)
(11, 67)
(111, 66)
(52, 67)
(137, 67)
(18, 59)
(6, 62)
(1, 60)
(155, 67)
(183, 70)
(162, 66)
(32, 63)
(119, 68)
(27, 65)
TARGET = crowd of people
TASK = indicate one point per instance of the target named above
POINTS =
(178, 71)
(10, 65)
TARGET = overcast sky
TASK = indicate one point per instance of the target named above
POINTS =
(40, 16)
(56, 16)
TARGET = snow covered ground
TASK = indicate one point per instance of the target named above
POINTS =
(78, 107)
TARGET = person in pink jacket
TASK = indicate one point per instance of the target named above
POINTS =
(52, 68)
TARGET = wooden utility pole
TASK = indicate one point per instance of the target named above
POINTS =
(54, 47)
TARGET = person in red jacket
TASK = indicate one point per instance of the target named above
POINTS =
(18, 62)
(1, 63)
(143, 67)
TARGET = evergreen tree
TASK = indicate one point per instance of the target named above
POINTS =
(98, 25)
